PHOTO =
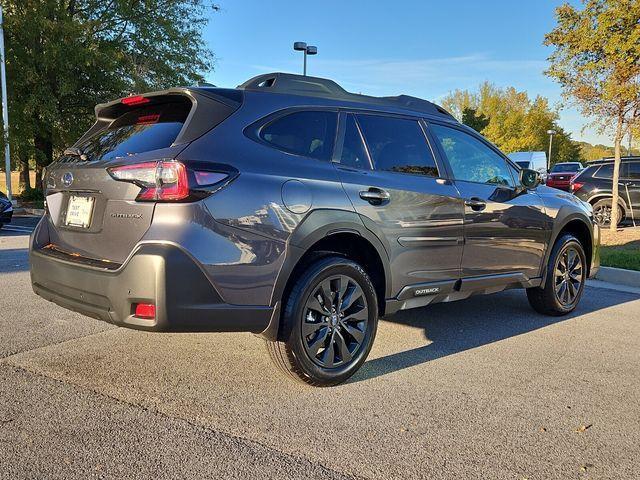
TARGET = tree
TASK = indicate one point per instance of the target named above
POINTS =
(511, 120)
(64, 56)
(475, 120)
(597, 63)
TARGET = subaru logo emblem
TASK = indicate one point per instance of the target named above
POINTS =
(67, 179)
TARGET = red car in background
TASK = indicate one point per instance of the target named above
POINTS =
(561, 174)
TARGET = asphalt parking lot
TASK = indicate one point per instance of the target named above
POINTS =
(483, 388)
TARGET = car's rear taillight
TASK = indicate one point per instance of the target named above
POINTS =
(575, 186)
(166, 180)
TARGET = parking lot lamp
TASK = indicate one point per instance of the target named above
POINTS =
(308, 50)
(5, 110)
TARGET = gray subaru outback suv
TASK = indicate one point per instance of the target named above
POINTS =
(293, 209)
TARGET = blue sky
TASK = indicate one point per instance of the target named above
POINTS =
(423, 48)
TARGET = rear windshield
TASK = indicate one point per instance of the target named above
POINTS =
(566, 167)
(139, 130)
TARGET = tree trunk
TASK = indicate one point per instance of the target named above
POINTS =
(613, 226)
(44, 155)
(24, 182)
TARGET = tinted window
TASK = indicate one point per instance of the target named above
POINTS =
(470, 159)
(397, 145)
(633, 171)
(310, 133)
(605, 171)
(353, 151)
(139, 130)
(523, 164)
(565, 168)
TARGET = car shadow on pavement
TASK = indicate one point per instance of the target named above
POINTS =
(451, 328)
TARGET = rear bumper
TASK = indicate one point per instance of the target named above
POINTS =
(157, 273)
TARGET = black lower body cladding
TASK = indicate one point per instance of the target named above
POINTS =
(159, 274)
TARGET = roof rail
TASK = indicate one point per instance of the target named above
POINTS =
(322, 87)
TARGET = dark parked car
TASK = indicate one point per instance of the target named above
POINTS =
(6, 210)
(561, 174)
(594, 185)
(291, 208)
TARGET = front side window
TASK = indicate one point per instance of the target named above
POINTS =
(309, 133)
(397, 145)
(470, 159)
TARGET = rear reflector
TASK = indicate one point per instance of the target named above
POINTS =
(145, 310)
(135, 100)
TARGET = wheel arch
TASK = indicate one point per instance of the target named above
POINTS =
(325, 232)
(602, 195)
(580, 228)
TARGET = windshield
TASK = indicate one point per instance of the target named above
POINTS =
(140, 130)
(565, 167)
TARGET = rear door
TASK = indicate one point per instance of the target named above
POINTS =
(389, 171)
(506, 228)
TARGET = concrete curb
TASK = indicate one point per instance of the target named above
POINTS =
(620, 276)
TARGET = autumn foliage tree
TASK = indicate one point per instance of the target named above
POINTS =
(596, 60)
(512, 120)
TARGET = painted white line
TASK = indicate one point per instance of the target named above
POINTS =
(13, 228)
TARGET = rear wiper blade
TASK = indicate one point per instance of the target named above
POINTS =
(76, 152)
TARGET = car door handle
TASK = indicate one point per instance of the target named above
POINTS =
(475, 203)
(374, 195)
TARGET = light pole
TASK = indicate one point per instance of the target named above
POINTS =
(308, 50)
(551, 133)
(5, 111)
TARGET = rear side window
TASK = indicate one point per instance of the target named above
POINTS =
(397, 145)
(353, 152)
(605, 171)
(139, 130)
(307, 133)
(633, 172)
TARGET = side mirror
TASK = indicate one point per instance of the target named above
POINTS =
(530, 178)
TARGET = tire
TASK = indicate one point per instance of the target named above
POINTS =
(320, 346)
(602, 212)
(553, 298)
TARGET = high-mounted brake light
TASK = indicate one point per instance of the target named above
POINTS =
(135, 100)
(166, 180)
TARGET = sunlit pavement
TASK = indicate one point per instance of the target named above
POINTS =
(483, 388)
